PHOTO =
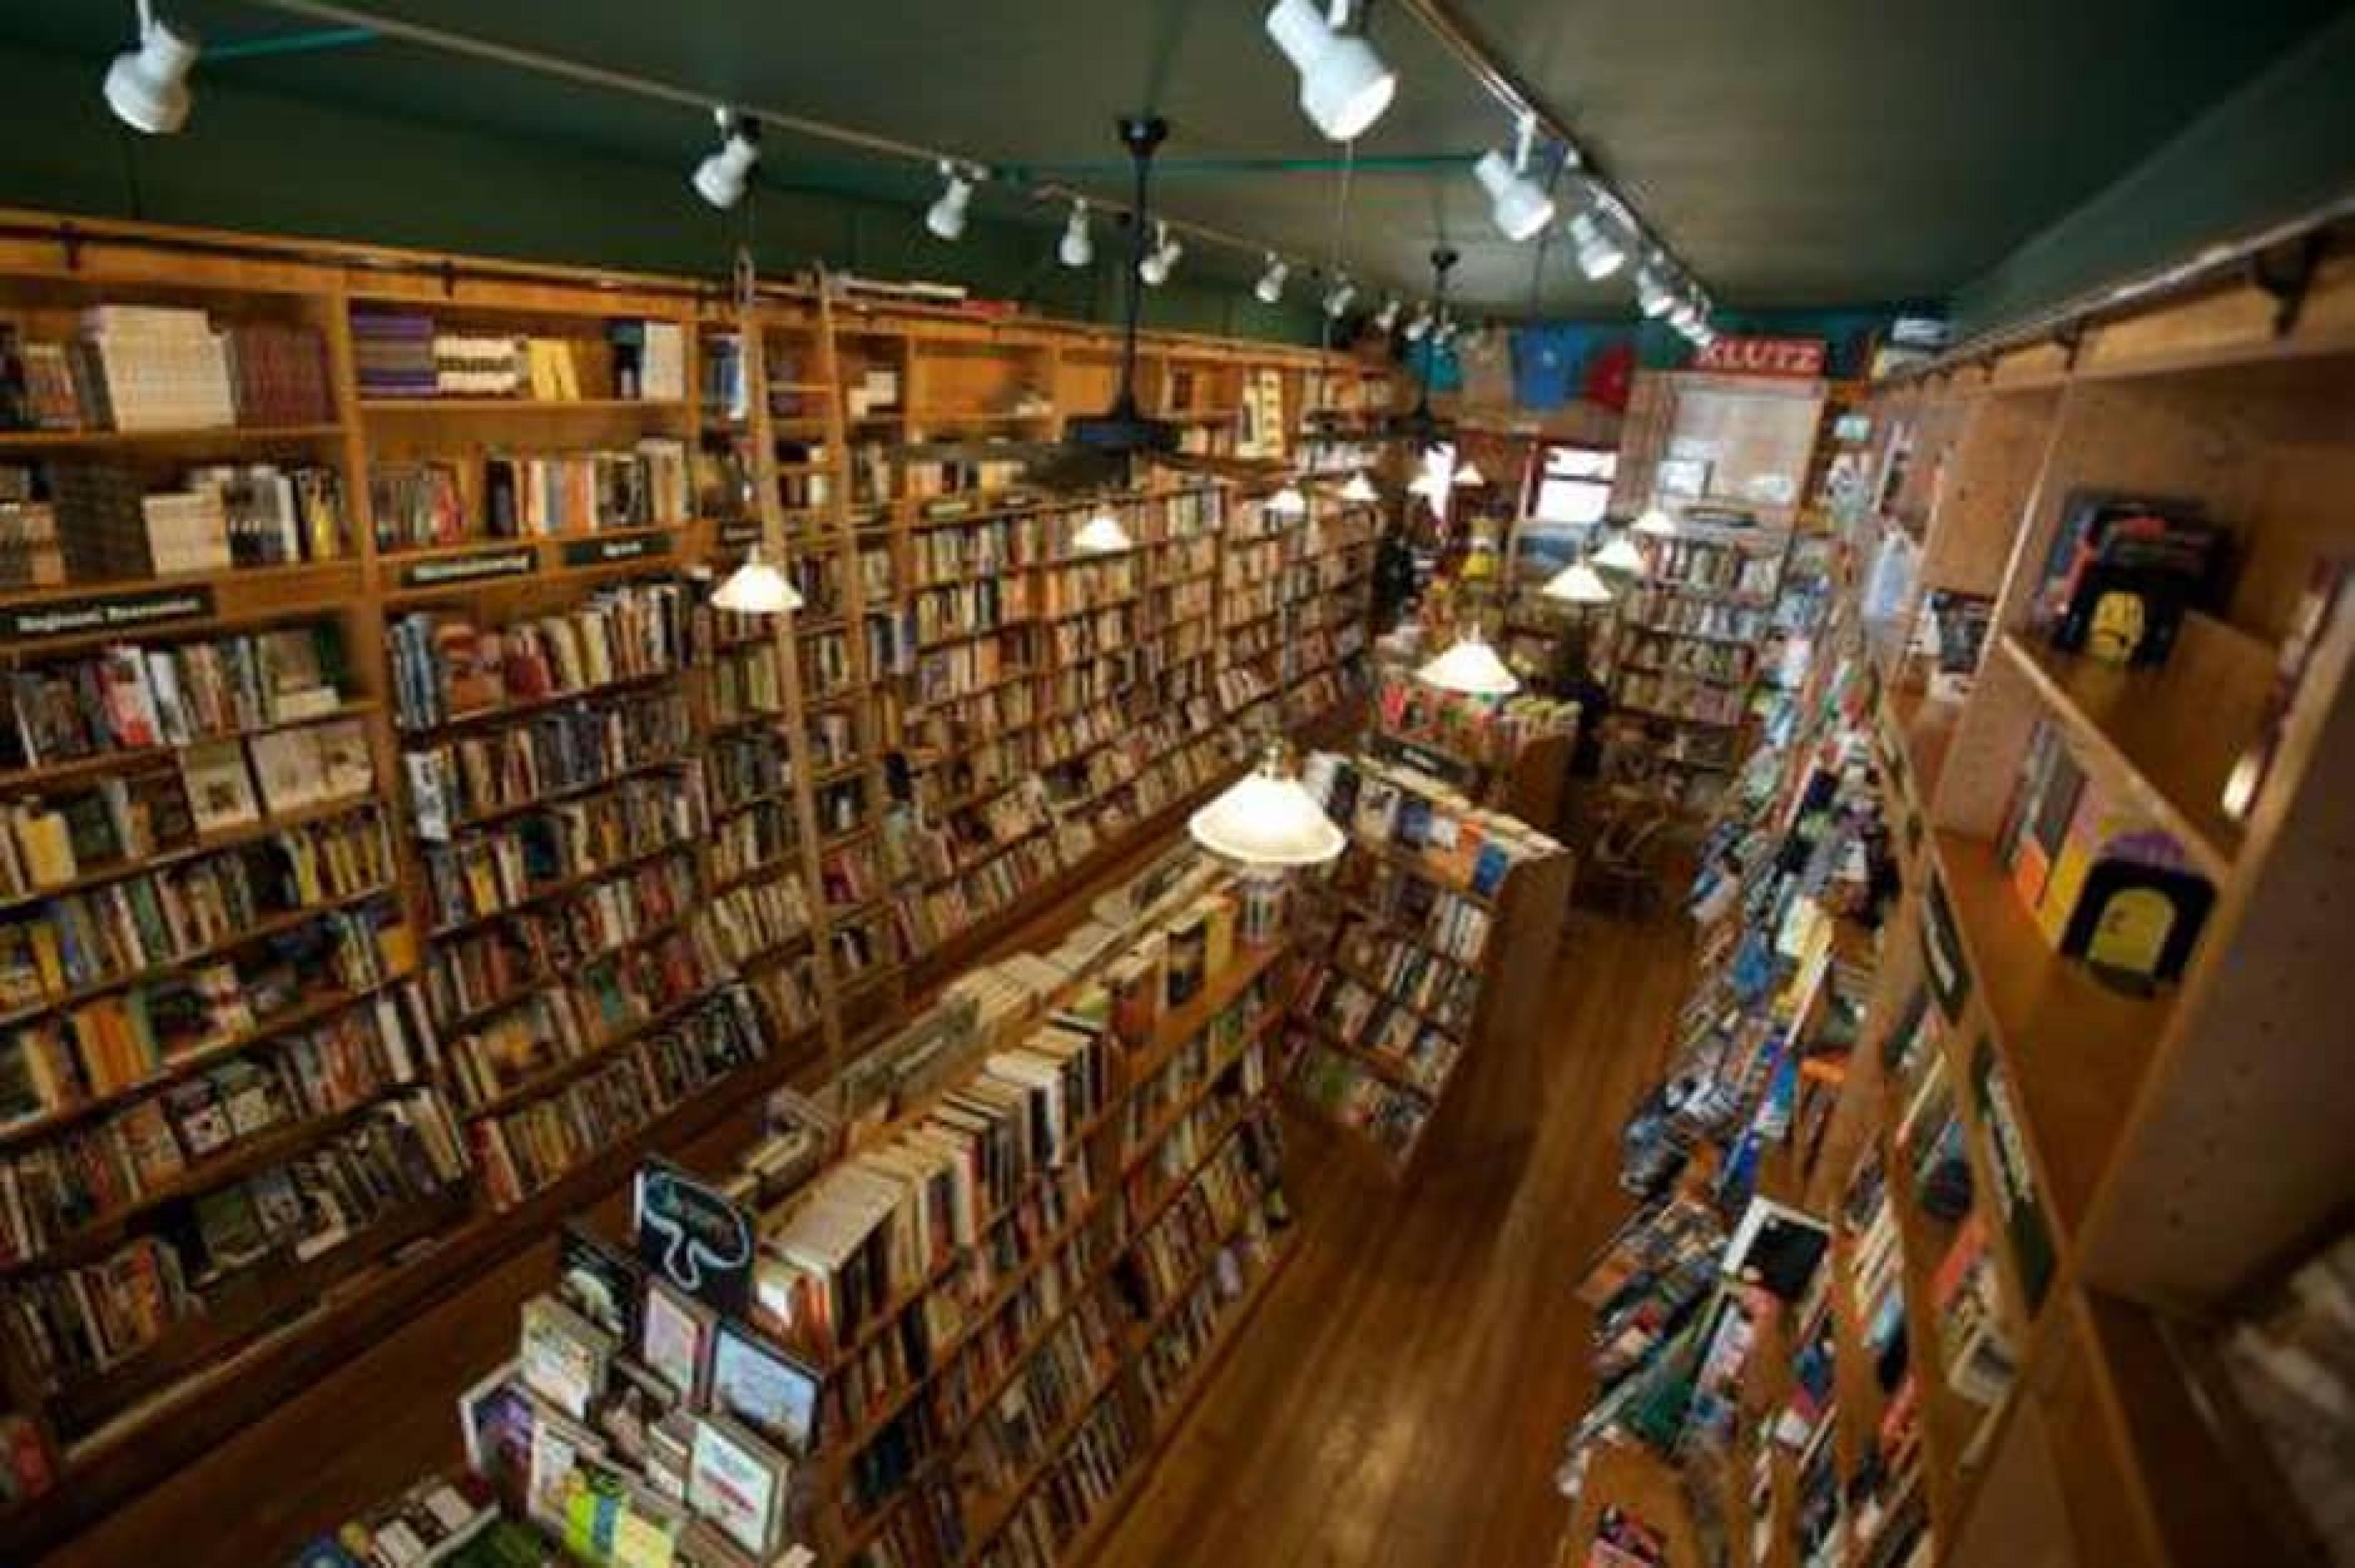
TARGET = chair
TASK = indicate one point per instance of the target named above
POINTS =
(1623, 868)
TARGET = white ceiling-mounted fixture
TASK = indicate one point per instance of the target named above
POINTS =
(756, 588)
(1578, 584)
(1267, 819)
(1597, 231)
(1101, 534)
(1288, 502)
(147, 88)
(1517, 204)
(1471, 667)
(1387, 318)
(1418, 325)
(1338, 297)
(1620, 555)
(1685, 314)
(1345, 86)
(1162, 259)
(1359, 489)
(945, 217)
(1076, 248)
(1269, 290)
(1656, 524)
(720, 178)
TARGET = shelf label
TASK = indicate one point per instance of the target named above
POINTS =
(691, 1234)
(517, 562)
(736, 535)
(106, 613)
(1942, 953)
(606, 552)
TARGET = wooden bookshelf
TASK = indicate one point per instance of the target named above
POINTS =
(773, 445)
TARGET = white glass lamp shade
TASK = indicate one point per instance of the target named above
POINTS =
(1471, 667)
(1470, 477)
(1656, 524)
(1344, 85)
(1101, 534)
(1266, 818)
(1288, 502)
(1359, 489)
(1620, 555)
(148, 88)
(756, 588)
(1578, 584)
(1517, 203)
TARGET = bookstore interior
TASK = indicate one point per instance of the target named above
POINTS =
(1012, 785)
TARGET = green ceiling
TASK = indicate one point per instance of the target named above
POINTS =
(1829, 151)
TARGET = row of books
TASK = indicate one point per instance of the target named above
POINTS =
(1350, 1093)
(753, 920)
(1456, 844)
(161, 1145)
(554, 753)
(1691, 698)
(443, 502)
(757, 839)
(101, 522)
(1708, 566)
(523, 1150)
(73, 1322)
(493, 870)
(1667, 614)
(445, 667)
(128, 698)
(404, 353)
(160, 368)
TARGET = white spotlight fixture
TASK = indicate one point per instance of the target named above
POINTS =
(1076, 248)
(1656, 524)
(1101, 534)
(1471, 667)
(720, 178)
(1162, 259)
(1345, 86)
(148, 88)
(1578, 584)
(1359, 489)
(1337, 297)
(1684, 314)
(756, 588)
(1387, 318)
(1656, 295)
(1418, 325)
(1620, 555)
(1269, 290)
(1517, 203)
(1267, 819)
(1595, 245)
(1288, 502)
(945, 217)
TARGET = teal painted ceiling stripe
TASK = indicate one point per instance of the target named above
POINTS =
(303, 43)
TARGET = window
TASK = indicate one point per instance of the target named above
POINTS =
(1575, 483)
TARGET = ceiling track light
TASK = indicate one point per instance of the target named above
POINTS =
(1387, 318)
(1517, 204)
(1418, 325)
(1337, 297)
(720, 178)
(1597, 231)
(1269, 290)
(945, 217)
(1162, 258)
(1655, 293)
(1076, 248)
(147, 88)
(1345, 85)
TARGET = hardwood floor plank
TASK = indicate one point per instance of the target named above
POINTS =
(1399, 1400)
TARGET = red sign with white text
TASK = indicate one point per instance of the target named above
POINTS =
(1798, 356)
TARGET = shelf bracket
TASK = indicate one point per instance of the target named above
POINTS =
(2071, 337)
(449, 279)
(2286, 273)
(71, 240)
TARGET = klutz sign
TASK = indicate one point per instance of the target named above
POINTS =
(1800, 357)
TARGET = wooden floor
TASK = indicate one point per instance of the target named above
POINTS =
(1399, 1400)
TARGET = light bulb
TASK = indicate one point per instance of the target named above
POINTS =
(1076, 248)
(1345, 86)
(945, 217)
(1517, 204)
(1269, 290)
(148, 88)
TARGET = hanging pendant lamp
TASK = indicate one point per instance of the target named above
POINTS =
(756, 588)
(1578, 584)
(1267, 819)
(1471, 667)
(1620, 555)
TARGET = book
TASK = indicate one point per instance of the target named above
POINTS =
(219, 788)
(739, 1484)
(600, 1281)
(564, 1357)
